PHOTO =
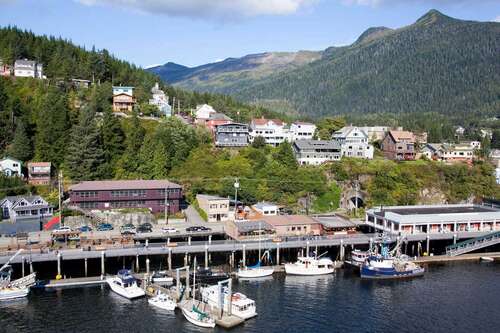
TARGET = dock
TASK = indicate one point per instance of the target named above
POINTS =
(464, 257)
(76, 282)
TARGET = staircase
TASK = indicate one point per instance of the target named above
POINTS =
(473, 244)
(93, 217)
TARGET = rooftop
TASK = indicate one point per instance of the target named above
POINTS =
(39, 164)
(264, 121)
(316, 144)
(439, 209)
(280, 220)
(263, 204)
(335, 221)
(210, 197)
(249, 226)
(402, 135)
(106, 185)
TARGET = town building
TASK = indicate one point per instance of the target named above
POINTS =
(123, 99)
(294, 225)
(273, 131)
(456, 153)
(39, 173)
(459, 131)
(337, 225)
(316, 152)
(28, 68)
(231, 135)
(160, 100)
(11, 167)
(249, 230)
(202, 113)
(420, 138)
(433, 218)
(216, 208)
(25, 207)
(302, 131)
(5, 69)
(265, 208)
(399, 145)
(216, 119)
(119, 194)
(377, 133)
(495, 157)
(81, 84)
(354, 142)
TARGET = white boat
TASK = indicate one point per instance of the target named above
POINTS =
(163, 301)
(14, 289)
(311, 266)
(124, 284)
(241, 305)
(358, 258)
(161, 277)
(198, 318)
(256, 271)
(489, 259)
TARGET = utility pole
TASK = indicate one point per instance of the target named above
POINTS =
(60, 188)
(236, 186)
(173, 105)
(167, 205)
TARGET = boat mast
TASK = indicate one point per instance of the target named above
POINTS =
(194, 279)
(260, 233)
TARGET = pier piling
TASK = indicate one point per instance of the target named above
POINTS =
(137, 263)
(103, 268)
(169, 260)
(147, 266)
(244, 255)
(278, 254)
(342, 250)
(59, 264)
(428, 244)
(86, 267)
(186, 259)
(31, 267)
(22, 263)
(307, 248)
(206, 256)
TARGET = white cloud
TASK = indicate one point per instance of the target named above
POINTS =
(375, 3)
(208, 9)
(497, 19)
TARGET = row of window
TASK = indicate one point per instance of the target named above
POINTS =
(215, 206)
(128, 193)
(87, 194)
(88, 205)
(126, 204)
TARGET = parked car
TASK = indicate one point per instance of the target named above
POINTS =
(128, 226)
(85, 228)
(147, 225)
(128, 231)
(105, 227)
(169, 230)
(62, 230)
(197, 228)
(143, 229)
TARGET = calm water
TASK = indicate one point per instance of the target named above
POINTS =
(461, 297)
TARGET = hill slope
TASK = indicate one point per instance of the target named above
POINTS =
(223, 75)
(438, 64)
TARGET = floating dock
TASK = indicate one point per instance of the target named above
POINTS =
(76, 282)
(463, 257)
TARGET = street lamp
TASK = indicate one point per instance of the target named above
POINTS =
(236, 187)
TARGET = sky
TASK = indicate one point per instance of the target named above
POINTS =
(195, 32)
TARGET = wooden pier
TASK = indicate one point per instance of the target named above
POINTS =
(76, 282)
(463, 257)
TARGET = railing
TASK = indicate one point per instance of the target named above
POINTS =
(473, 244)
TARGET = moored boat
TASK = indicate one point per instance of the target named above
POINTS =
(357, 259)
(379, 267)
(208, 276)
(241, 305)
(310, 266)
(14, 289)
(256, 271)
(163, 302)
(161, 277)
(197, 317)
(124, 284)
(487, 259)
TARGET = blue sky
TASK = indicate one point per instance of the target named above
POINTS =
(193, 32)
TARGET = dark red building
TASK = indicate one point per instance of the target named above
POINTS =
(119, 194)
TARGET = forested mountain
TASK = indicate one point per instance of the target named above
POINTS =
(223, 75)
(437, 65)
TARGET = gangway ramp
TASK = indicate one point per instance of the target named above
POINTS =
(473, 244)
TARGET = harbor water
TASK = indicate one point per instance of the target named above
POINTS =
(452, 297)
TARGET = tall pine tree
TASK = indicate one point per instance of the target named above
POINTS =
(84, 160)
(21, 145)
(112, 142)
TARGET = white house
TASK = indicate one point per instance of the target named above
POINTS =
(160, 100)
(11, 167)
(216, 208)
(21, 207)
(123, 90)
(316, 152)
(266, 208)
(302, 131)
(28, 68)
(203, 112)
(354, 142)
(274, 131)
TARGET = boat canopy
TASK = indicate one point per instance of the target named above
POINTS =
(257, 265)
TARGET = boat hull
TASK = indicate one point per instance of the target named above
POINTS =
(169, 306)
(13, 293)
(292, 269)
(191, 317)
(389, 274)
(130, 292)
(251, 273)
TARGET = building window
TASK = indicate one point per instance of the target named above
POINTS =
(87, 194)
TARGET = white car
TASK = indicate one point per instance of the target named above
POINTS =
(169, 230)
(62, 230)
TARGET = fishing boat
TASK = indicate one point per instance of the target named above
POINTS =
(311, 266)
(197, 317)
(163, 301)
(358, 258)
(14, 289)
(161, 277)
(389, 266)
(124, 284)
(241, 305)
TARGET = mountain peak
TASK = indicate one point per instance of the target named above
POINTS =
(372, 33)
(434, 16)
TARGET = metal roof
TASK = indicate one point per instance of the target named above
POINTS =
(105, 185)
(249, 226)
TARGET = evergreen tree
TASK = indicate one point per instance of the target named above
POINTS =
(495, 139)
(284, 155)
(113, 138)
(129, 162)
(85, 156)
(259, 142)
(21, 145)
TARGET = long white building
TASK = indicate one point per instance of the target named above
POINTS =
(354, 142)
(300, 130)
(274, 131)
(28, 68)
